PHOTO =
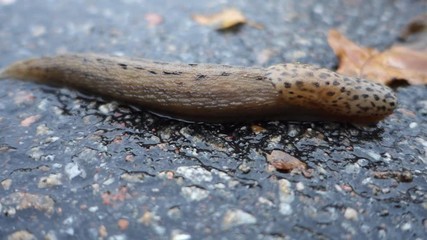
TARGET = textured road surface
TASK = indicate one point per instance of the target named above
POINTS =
(74, 166)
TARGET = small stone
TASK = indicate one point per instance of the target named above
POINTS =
(244, 167)
(299, 186)
(38, 30)
(6, 183)
(406, 226)
(107, 108)
(123, 224)
(30, 120)
(50, 235)
(257, 129)
(50, 181)
(102, 231)
(73, 170)
(23, 200)
(234, 218)
(132, 176)
(21, 235)
(194, 193)
(286, 197)
(174, 213)
(179, 235)
(284, 162)
(350, 214)
(195, 174)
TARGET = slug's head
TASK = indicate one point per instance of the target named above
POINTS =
(319, 92)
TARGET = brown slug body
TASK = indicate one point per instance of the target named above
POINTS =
(215, 93)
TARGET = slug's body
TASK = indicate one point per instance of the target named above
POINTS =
(215, 93)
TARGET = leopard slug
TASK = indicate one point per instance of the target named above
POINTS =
(215, 93)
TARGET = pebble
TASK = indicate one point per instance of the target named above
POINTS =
(107, 108)
(123, 224)
(23, 200)
(350, 214)
(102, 231)
(6, 183)
(179, 235)
(234, 218)
(286, 197)
(73, 170)
(195, 174)
(194, 193)
(21, 235)
(132, 176)
(50, 181)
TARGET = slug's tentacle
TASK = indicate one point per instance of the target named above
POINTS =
(215, 93)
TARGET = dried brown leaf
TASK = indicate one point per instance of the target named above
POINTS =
(397, 63)
(225, 19)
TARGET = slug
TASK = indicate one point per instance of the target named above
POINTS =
(215, 93)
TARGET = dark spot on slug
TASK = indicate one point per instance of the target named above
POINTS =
(365, 95)
(287, 85)
(259, 78)
(388, 95)
(192, 64)
(309, 74)
(316, 84)
(140, 68)
(355, 97)
(392, 104)
(376, 97)
(161, 63)
(327, 83)
(358, 87)
(336, 83)
(299, 96)
(291, 92)
(124, 66)
(324, 75)
(152, 72)
(369, 89)
(200, 76)
(342, 89)
(299, 83)
(172, 73)
(330, 93)
(228, 74)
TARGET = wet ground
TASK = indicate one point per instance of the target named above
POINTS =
(74, 166)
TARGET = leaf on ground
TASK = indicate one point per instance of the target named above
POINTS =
(400, 62)
(226, 19)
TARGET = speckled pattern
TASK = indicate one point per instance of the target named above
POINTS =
(316, 88)
(75, 166)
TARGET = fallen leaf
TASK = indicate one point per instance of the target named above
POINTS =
(223, 20)
(397, 63)
(285, 162)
